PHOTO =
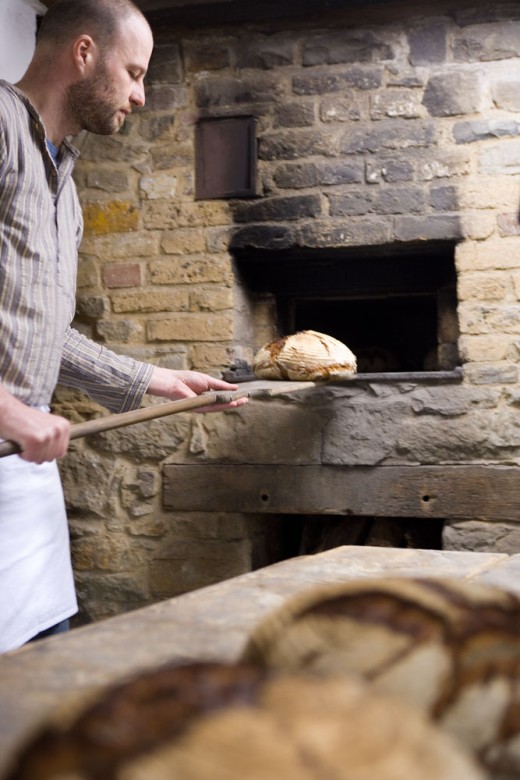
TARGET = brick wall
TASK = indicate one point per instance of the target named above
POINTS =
(374, 127)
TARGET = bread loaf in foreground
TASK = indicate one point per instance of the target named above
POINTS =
(448, 647)
(238, 722)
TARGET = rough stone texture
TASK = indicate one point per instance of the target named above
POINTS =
(399, 128)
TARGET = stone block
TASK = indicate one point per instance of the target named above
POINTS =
(91, 306)
(155, 127)
(399, 200)
(150, 301)
(165, 97)
(183, 241)
(493, 254)
(294, 115)
(484, 349)
(120, 332)
(500, 158)
(444, 198)
(204, 357)
(112, 217)
(333, 172)
(432, 439)
(103, 595)
(145, 443)
(428, 227)
(347, 107)
(481, 129)
(489, 192)
(186, 565)
(206, 56)
(481, 536)
(165, 65)
(339, 47)
(195, 269)
(265, 53)
(362, 232)
(191, 327)
(111, 554)
(277, 209)
(395, 103)
(291, 145)
(218, 239)
(509, 224)
(122, 275)
(293, 176)
(369, 429)
(428, 44)
(506, 94)
(211, 298)
(156, 186)
(389, 134)
(488, 42)
(478, 225)
(453, 94)
(88, 272)
(215, 91)
(297, 438)
(443, 164)
(263, 237)
(482, 374)
(108, 148)
(349, 204)
(392, 170)
(123, 245)
(452, 401)
(107, 180)
(483, 286)
(320, 83)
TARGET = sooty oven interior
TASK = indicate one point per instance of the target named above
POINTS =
(396, 307)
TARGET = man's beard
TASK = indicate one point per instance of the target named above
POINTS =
(92, 106)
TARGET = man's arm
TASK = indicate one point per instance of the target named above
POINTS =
(119, 382)
(41, 436)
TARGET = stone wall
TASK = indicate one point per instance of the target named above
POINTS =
(374, 127)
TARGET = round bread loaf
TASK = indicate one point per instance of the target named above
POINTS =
(448, 647)
(217, 722)
(304, 356)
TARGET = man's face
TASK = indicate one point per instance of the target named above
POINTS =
(102, 100)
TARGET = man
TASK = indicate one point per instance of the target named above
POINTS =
(87, 73)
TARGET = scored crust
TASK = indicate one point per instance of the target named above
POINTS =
(304, 356)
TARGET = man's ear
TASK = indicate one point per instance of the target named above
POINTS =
(84, 53)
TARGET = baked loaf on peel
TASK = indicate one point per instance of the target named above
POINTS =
(304, 356)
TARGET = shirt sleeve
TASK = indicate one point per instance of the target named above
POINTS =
(117, 382)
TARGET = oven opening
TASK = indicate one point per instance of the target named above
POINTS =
(394, 306)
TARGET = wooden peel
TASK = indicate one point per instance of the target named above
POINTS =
(257, 389)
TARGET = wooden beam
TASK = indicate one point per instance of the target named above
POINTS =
(450, 492)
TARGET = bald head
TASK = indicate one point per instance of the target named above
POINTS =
(66, 19)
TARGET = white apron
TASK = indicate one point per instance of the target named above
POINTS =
(36, 582)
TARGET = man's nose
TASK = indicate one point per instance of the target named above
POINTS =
(137, 98)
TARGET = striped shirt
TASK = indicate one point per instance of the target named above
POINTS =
(40, 232)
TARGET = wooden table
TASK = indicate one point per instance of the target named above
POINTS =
(209, 624)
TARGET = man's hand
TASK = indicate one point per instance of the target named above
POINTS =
(187, 384)
(41, 436)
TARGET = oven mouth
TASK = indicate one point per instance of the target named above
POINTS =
(394, 306)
